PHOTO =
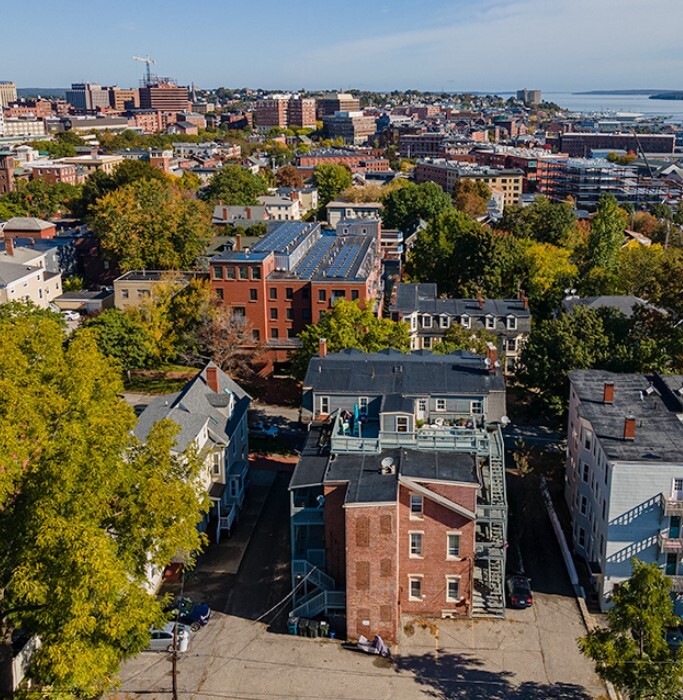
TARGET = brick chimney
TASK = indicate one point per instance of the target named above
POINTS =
(492, 355)
(480, 299)
(608, 392)
(525, 301)
(212, 378)
(629, 428)
(9, 245)
(238, 242)
(322, 347)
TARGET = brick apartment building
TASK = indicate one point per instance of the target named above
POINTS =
(301, 113)
(398, 505)
(6, 172)
(581, 144)
(430, 316)
(291, 275)
(285, 111)
(330, 103)
(54, 173)
(166, 97)
(352, 127)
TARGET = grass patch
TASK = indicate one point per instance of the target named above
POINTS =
(166, 379)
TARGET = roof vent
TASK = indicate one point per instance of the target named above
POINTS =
(398, 369)
(387, 466)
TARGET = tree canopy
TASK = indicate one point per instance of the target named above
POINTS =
(234, 185)
(347, 325)
(405, 206)
(85, 510)
(543, 221)
(472, 196)
(149, 224)
(632, 652)
(331, 179)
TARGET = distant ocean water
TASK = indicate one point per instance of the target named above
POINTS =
(618, 103)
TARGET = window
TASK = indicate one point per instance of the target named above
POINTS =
(234, 487)
(445, 321)
(272, 293)
(273, 314)
(289, 313)
(143, 293)
(238, 311)
(584, 505)
(124, 293)
(289, 293)
(582, 537)
(401, 424)
(354, 295)
(441, 404)
(230, 273)
(427, 342)
(416, 504)
(476, 407)
(452, 545)
(244, 273)
(324, 404)
(586, 472)
(216, 463)
(256, 273)
(253, 295)
(415, 588)
(512, 323)
(219, 293)
(338, 294)
(363, 404)
(218, 273)
(416, 544)
(256, 334)
(452, 589)
(274, 333)
(587, 439)
(322, 295)
(465, 321)
(490, 322)
(427, 321)
(511, 345)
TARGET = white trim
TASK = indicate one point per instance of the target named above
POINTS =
(449, 556)
(449, 579)
(411, 578)
(411, 554)
(441, 500)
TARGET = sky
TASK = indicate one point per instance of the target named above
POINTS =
(451, 45)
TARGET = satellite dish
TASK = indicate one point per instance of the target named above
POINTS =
(487, 361)
(387, 462)
(497, 363)
(505, 421)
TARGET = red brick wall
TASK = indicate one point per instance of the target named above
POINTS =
(434, 566)
(371, 585)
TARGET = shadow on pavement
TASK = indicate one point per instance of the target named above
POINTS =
(461, 677)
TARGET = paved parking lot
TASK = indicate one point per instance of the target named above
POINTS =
(530, 655)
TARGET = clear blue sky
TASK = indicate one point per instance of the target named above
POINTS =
(555, 45)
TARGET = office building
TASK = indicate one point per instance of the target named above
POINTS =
(331, 103)
(88, 98)
(8, 93)
(352, 127)
(165, 97)
(582, 144)
(529, 97)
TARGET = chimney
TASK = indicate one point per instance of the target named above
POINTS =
(212, 378)
(525, 301)
(9, 245)
(238, 242)
(629, 428)
(608, 393)
(492, 356)
(322, 347)
(480, 299)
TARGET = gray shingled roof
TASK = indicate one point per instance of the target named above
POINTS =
(392, 372)
(27, 223)
(196, 406)
(653, 400)
(12, 272)
(626, 304)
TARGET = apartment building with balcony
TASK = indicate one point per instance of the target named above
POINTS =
(624, 474)
(292, 275)
(430, 316)
(398, 504)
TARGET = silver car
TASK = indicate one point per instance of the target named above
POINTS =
(162, 640)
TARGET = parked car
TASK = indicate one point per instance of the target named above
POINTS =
(518, 589)
(162, 640)
(71, 315)
(261, 429)
(186, 612)
(674, 637)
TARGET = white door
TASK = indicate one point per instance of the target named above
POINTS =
(677, 490)
(421, 409)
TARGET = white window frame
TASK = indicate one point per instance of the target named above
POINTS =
(216, 462)
(440, 405)
(416, 544)
(402, 424)
(511, 345)
(465, 321)
(480, 403)
(511, 323)
(363, 402)
(413, 322)
(453, 533)
(444, 321)
(426, 321)
(324, 401)
(490, 322)
(415, 578)
(416, 506)
(449, 580)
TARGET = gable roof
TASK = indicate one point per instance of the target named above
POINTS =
(12, 272)
(27, 223)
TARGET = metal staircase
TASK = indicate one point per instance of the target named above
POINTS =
(323, 599)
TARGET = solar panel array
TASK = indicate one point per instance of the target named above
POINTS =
(278, 240)
(342, 265)
(314, 257)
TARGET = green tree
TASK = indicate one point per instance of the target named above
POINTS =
(543, 221)
(234, 185)
(120, 336)
(85, 510)
(149, 224)
(347, 325)
(462, 257)
(54, 149)
(471, 196)
(458, 338)
(41, 199)
(331, 179)
(405, 206)
(632, 652)
(548, 271)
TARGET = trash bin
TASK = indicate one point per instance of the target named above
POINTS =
(292, 624)
(324, 629)
(303, 627)
(332, 634)
(313, 629)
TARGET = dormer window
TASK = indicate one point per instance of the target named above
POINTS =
(445, 321)
(490, 322)
(512, 323)
(427, 321)
(465, 321)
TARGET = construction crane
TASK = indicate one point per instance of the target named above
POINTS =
(149, 62)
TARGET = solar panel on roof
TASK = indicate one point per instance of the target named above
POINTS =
(309, 264)
(344, 262)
